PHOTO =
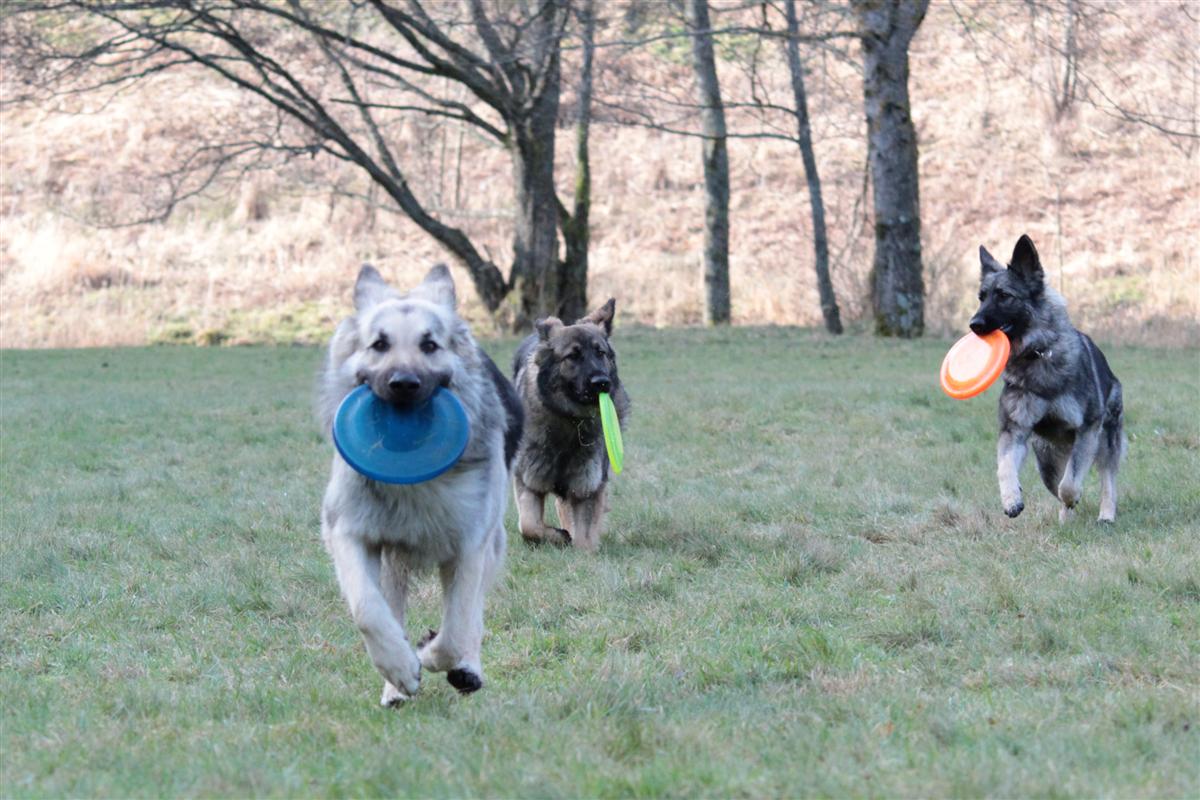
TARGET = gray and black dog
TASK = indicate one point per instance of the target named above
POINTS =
(404, 346)
(560, 372)
(1059, 394)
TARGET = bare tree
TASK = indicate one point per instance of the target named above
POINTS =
(829, 307)
(898, 290)
(716, 166)
(333, 73)
(1081, 69)
(629, 99)
(1065, 88)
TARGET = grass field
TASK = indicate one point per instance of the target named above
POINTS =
(807, 588)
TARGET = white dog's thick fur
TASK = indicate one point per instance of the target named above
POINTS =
(404, 347)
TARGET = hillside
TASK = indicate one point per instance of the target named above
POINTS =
(269, 255)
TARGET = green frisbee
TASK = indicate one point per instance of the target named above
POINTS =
(612, 433)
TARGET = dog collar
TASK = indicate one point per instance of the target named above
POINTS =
(586, 431)
(1034, 353)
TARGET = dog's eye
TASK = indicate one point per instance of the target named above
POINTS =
(982, 296)
(429, 346)
(1002, 295)
(600, 350)
(575, 354)
(380, 345)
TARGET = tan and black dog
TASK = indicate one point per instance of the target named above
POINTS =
(560, 372)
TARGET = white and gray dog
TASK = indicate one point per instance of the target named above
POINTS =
(405, 346)
(1060, 396)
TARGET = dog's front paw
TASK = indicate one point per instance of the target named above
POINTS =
(400, 667)
(465, 680)
(561, 538)
(392, 697)
(1012, 499)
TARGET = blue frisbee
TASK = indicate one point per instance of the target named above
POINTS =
(393, 445)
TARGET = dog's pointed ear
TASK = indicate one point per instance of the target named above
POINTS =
(603, 316)
(1025, 262)
(370, 288)
(547, 327)
(988, 263)
(438, 287)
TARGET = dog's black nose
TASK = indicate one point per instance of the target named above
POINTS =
(404, 383)
(600, 383)
(978, 327)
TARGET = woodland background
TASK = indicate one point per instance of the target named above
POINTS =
(1091, 149)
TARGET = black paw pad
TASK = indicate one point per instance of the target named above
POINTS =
(427, 638)
(1015, 510)
(464, 680)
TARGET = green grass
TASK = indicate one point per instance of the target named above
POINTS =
(807, 588)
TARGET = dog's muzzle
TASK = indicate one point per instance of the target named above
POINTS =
(404, 386)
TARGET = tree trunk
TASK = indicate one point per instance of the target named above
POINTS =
(829, 306)
(535, 233)
(573, 269)
(898, 292)
(716, 167)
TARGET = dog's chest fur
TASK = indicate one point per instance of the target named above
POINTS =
(564, 456)
(431, 522)
(434, 521)
(1051, 390)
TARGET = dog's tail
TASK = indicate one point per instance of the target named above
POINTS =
(1114, 424)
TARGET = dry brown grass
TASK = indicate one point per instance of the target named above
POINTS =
(1112, 205)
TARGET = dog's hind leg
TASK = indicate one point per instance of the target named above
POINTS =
(585, 518)
(393, 583)
(1070, 488)
(357, 568)
(456, 647)
(531, 517)
(1108, 491)
(1108, 461)
(1109, 454)
(1051, 461)
(1052, 458)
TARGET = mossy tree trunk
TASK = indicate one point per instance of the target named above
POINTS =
(573, 269)
(898, 290)
(535, 274)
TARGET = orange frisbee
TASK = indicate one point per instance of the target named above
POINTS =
(974, 363)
